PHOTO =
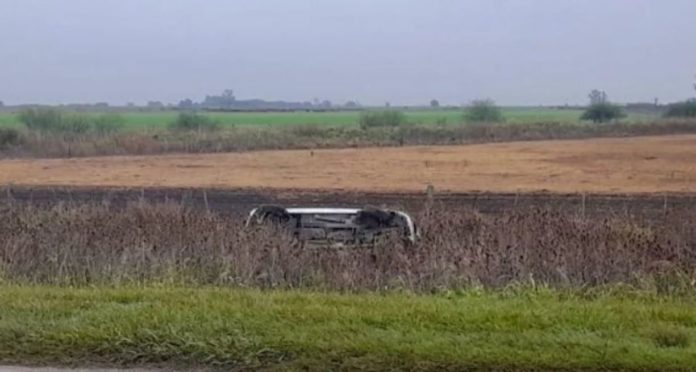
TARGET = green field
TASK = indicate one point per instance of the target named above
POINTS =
(139, 120)
(175, 327)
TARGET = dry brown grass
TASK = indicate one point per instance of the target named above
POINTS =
(95, 243)
(616, 165)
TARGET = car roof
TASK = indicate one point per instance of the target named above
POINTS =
(322, 210)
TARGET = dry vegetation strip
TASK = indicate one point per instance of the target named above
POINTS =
(640, 164)
(93, 244)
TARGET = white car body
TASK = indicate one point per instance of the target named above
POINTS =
(337, 225)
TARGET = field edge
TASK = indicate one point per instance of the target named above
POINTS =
(178, 326)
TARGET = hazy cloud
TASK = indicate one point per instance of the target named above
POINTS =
(406, 52)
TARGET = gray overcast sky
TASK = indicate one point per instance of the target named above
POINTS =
(406, 52)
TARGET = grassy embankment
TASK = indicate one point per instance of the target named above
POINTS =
(515, 328)
(160, 120)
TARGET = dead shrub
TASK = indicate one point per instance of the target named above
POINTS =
(96, 243)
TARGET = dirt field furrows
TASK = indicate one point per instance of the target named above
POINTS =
(240, 201)
(616, 165)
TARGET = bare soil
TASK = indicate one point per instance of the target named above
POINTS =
(650, 207)
(610, 165)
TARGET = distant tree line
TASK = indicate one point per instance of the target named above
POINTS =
(686, 109)
(599, 110)
(227, 101)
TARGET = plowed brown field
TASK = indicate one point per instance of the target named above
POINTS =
(617, 165)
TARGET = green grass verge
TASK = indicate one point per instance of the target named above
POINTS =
(154, 120)
(523, 329)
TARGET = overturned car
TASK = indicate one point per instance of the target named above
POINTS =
(336, 226)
